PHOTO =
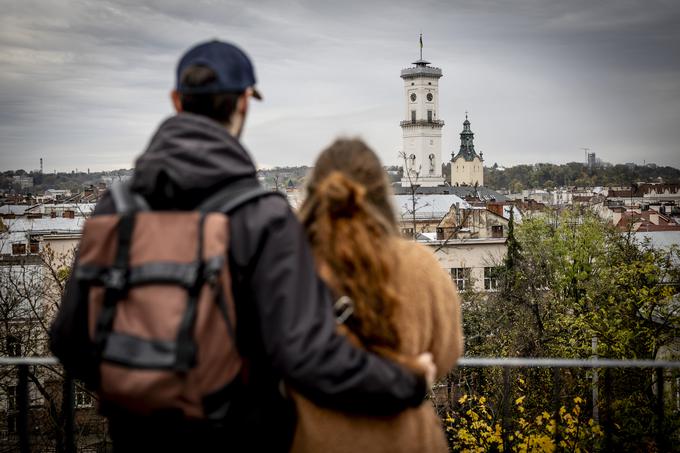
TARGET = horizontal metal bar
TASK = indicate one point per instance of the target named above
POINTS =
(507, 362)
(521, 362)
(29, 361)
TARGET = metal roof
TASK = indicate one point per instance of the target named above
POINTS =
(48, 225)
(16, 209)
(430, 206)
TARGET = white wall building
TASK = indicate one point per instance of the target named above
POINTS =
(421, 127)
(472, 262)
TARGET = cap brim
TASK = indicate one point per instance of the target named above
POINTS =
(256, 94)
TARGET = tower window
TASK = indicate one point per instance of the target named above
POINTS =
(429, 83)
(413, 116)
(429, 116)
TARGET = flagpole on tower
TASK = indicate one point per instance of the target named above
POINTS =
(421, 46)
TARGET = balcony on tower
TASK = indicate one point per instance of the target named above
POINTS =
(421, 69)
(413, 123)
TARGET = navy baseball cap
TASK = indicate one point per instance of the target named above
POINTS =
(231, 65)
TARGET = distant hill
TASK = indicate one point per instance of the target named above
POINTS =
(73, 181)
(539, 176)
(514, 178)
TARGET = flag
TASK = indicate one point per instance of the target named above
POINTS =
(421, 40)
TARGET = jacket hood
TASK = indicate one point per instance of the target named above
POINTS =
(189, 157)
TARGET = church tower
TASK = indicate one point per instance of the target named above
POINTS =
(421, 126)
(467, 167)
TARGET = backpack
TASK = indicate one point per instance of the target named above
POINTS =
(161, 314)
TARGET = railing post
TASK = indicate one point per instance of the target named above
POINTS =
(23, 404)
(556, 405)
(660, 435)
(506, 407)
(67, 409)
(449, 390)
(595, 375)
(607, 416)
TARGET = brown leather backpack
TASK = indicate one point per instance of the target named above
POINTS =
(161, 312)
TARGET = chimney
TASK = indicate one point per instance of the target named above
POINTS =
(616, 217)
(654, 218)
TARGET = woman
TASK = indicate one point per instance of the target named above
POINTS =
(404, 303)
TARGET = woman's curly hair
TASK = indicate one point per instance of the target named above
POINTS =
(349, 220)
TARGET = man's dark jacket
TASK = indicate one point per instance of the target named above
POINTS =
(286, 328)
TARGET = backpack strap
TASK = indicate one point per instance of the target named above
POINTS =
(185, 358)
(125, 200)
(116, 282)
(234, 195)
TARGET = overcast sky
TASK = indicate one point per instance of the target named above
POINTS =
(84, 83)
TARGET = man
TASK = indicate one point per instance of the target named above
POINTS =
(286, 328)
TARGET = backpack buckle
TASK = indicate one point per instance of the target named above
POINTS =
(115, 279)
(344, 308)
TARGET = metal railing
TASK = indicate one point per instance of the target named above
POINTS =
(413, 123)
(557, 365)
(23, 364)
(422, 71)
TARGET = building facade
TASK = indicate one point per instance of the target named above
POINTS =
(467, 166)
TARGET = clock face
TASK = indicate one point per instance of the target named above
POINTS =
(413, 97)
(429, 97)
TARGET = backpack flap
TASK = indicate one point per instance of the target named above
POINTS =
(168, 344)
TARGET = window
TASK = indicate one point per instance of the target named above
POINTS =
(13, 346)
(461, 276)
(12, 426)
(34, 247)
(413, 116)
(407, 232)
(12, 397)
(18, 249)
(429, 116)
(83, 398)
(497, 231)
(491, 278)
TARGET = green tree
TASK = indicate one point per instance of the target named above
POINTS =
(567, 282)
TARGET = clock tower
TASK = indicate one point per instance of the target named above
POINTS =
(421, 126)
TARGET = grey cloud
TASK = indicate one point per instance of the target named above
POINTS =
(88, 79)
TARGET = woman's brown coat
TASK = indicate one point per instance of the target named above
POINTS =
(429, 320)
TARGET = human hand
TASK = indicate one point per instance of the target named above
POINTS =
(425, 362)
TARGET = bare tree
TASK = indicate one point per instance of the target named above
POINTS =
(413, 176)
(31, 287)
